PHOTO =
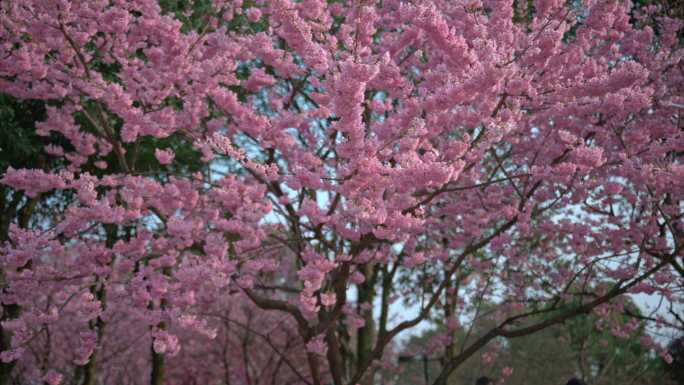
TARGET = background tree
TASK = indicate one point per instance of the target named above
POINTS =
(586, 346)
(19, 148)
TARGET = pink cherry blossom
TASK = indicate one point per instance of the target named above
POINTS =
(164, 156)
(341, 164)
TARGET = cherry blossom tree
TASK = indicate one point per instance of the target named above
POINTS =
(250, 185)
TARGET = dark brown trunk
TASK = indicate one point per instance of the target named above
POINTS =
(366, 334)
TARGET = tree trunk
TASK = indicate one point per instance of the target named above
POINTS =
(90, 368)
(8, 312)
(11, 311)
(158, 366)
(366, 334)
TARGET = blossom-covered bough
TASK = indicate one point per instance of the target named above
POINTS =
(337, 157)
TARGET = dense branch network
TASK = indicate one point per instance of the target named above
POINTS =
(236, 186)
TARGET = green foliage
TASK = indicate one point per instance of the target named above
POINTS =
(191, 13)
(187, 159)
(19, 144)
(194, 15)
(580, 347)
(606, 358)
